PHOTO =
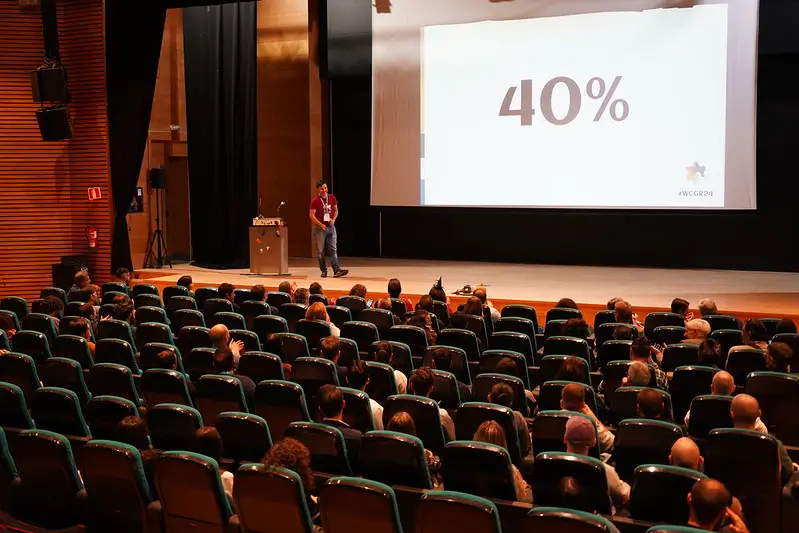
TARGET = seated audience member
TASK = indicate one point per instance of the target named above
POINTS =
(707, 307)
(80, 280)
(680, 307)
(708, 502)
(641, 350)
(579, 328)
(289, 287)
(402, 422)
(292, 455)
(359, 290)
(258, 293)
(125, 312)
(567, 303)
(316, 288)
(301, 296)
(318, 311)
(755, 334)
(225, 364)
(492, 433)
(208, 442)
(87, 311)
(166, 359)
(52, 307)
(91, 294)
(745, 412)
(425, 303)
(572, 398)
(696, 331)
(723, 384)
(438, 294)
(650, 404)
(709, 353)
(358, 378)
(219, 336)
(507, 366)
(624, 333)
(785, 325)
(227, 292)
(123, 275)
(572, 369)
(778, 357)
(638, 375)
(579, 437)
(385, 304)
(442, 360)
(331, 404)
(421, 384)
(612, 303)
(472, 307)
(481, 294)
(502, 394)
(395, 292)
(424, 320)
(623, 313)
(330, 349)
(188, 282)
(685, 454)
(80, 327)
(132, 430)
(7, 325)
(384, 353)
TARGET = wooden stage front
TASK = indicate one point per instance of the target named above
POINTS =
(744, 294)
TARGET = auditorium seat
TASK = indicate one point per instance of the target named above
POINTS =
(59, 293)
(277, 298)
(771, 326)
(148, 355)
(9, 477)
(548, 430)
(312, 372)
(394, 459)
(292, 346)
(563, 345)
(656, 319)
(109, 297)
(191, 494)
(567, 521)
(743, 360)
(144, 288)
(117, 492)
(357, 409)
(321, 298)
(339, 314)
(280, 403)
(20, 370)
(778, 395)
(446, 390)
(792, 340)
(242, 295)
(563, 313)
(515, 324)
(260, 366)
(230, 319)
(613, 375)
(625, 403)
(201, 294)
(397, 307)
(199, 362)
(116, 351)
(521, 311)
(441, 511)
(173, 427)
(425, 414)
(313, 331)
(4, 343)
(401, 356)
(709, 412)
(104, 413)
(382, 384)
(480, 469)
(191, 337)
(515, 342)
(604, 334)
(13, 316)
(471, 415)
(32, 343)
(13, 408)
(216, 394)
(477, 325)
(550, 366)
(718, 322)
(352, 504)
(115, 329)
(665, 335)
(441, 311)
(490, 359)
(461, 338)
(383, 319)
(58, 410)
(248, 338)
(271, 500)
(687, 383)
(659, 493)
(326, 445)
(245, 437)
(483, 383)
(553, 328)
(75, 348)
(44, 324)
(182, 318)
(642, 441)
(66, 374)
(552, 467)
(110, 379)
(363, 333)
(252, 309)
(178, 303)
(151, 314)
(150, 332)
(159, 385)
(412, 336)
(677, 355)
(212, 306)
(606, 316)
(146, 300)
(349, 352)
(16, 305)
(174, 290)
(550, 392)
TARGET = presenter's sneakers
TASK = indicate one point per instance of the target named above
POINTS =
(341, 273)
(324, 274)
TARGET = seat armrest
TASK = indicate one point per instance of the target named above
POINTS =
(155, 517)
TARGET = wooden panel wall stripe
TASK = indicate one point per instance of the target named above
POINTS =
(44, 205)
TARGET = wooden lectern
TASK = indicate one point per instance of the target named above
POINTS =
(269, 247)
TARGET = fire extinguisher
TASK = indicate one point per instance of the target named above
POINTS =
(91, 236)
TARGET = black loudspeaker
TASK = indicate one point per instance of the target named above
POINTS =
(54, 123)
(157, 178)
(49, 85)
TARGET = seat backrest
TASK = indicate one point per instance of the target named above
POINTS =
(520, 311)
(148, 355)
(490, 359)
(563, 313)
(614, 373)
(659, 318)
(42, 323)
(425, 414)
(625, 403)
(383, 319)
(199, 362)
(477, 325)
(313, 331)
(75, 348)
(517, 342)
(605, 316)
(313, 372)
(281, 403)
(349, 352)
(190, 490)
(201, 294)
(363, 333)
(643, 441)
(551, 467)
(292, 313)
(687, 383)
(709, 412)
(13, 316)
(248, 338)
(446, 390)
(567, 521)
(174, 290)
(13, 408)
(479, 468)
(357, 409)
(401, 356)
(471, 414)
(58, 292)
(260, 366)
(394, 459)
(722, 322)
(444, 510)
(339, 314)
(676, 355)
(150, 314)
(117, 490)
(326, 444)
(173, 427)
(292, 346)
(216, 394)
(483, 383)
(355, 304)
(33, 343)
(517, 325)
(277, 298)
(271, 500)
(58, 410)
(659, 493)
(313, 298)
(549, 428)
(116, 351)
(727, 338)
(613, 350)
(550, 366)
(245, 437)
(382, 384)
(67, 374)
(743, 360)
(20, 370)
(159, 385)
(153, 332)
(104, 413)
(668, 335)
(564, 345)
(375, 502)
(8, 469)
(191, 337)
(15, 304)
(461, 338)
(212, 306)
(413, 336)
(182, 318)
(777, 393)
(114, 329)
(144, 288)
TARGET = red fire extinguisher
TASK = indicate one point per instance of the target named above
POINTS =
(91, 236)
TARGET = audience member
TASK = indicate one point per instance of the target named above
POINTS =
(685, 454)
(385, 304)
(567, 303)
(641, 350)
(680, 307)
(289, 287)
(87, 311)
(80, 327)
(330, 349)
(707, 307)
(745, 413)
(186, 281)
(424, 320)
(612, 303)
(492, 433)
(709, 353)
(395, 293)
(421, 384)
(219, 336)
(125, 312)
(7, 325)
(51, 306)
(358, 378)
(225, 364)
(507, 366)
(359, 290)
(650, 404)
(638, 375)
(425, 303)
(755, 334)
(723, 384)
(624, 333)
(132, 430)
(573, 495)
(316, 288)
(696, 331)
(502, 394)
(384, 353)
(122, 275)
(472, 307)
(301, 296)
(572, 398)
(623, 313)
(778, 357)
(579, 328)
(80, 280)
(292, 455)
(481, 294)
(708, 502)
(228, 292)
(166, 359)
(258, 293)
(331, 404)
(579, 437)
(442, 360)
(208, 442)
(318, 311)
(402, 422)
(786, 325)
(573, 368)
(438, 294)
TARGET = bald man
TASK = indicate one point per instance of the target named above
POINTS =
(219, 336)
(745, 412)
(723, 384)
(685, 454)
(708, 502)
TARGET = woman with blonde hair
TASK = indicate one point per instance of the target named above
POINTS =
(492, 433)
(318, 311)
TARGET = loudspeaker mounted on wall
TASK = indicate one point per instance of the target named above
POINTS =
(49, 85)
(157, 178)
(54, 123)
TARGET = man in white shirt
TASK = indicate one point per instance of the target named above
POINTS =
(421, 384)
(723, 384)
(358, 378)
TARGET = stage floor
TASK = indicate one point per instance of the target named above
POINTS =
(742, 293)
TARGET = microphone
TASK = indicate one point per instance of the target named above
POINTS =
(278, 208)
(260, 201)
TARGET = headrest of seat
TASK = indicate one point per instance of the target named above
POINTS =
(571, 457)
(486, 407)
(669, 470)
(461, 498)
(573, 514)
(470, 446)
(374, 487)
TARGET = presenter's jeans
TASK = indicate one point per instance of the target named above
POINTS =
(327, 237)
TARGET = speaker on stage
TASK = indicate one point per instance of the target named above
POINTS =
(49, 85)
(157, 178)
(54, 123)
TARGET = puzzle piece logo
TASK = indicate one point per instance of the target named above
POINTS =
(694, 172)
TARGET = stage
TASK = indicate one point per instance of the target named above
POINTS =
(744, 294)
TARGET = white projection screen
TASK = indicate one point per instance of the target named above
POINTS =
(623, 104)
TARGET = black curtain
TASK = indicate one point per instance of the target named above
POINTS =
(133, 34)
(221, 68)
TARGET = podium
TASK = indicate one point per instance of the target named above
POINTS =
(269, 247)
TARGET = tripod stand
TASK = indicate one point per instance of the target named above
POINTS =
(157, 238)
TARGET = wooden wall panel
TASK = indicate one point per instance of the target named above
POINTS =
(44, 206)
